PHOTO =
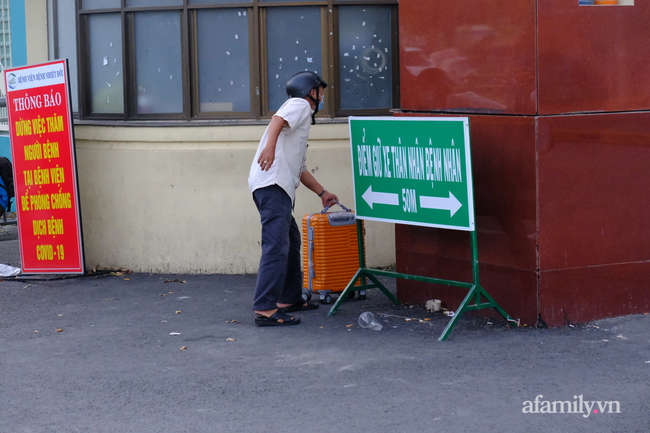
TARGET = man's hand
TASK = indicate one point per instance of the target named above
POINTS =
(310, 182)
(328, 198)
(267, 156)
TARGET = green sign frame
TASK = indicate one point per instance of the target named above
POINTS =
(414, 171)
(451, 133)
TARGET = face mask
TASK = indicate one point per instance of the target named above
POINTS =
(319, 107)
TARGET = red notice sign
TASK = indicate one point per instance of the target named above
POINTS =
(45, 174)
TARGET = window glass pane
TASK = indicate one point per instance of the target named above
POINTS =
(224, 78)
(105, 55)
(143, 3)
(158, 62)
(98, 4)
(218, 2)
(291, 47)
(365, 57)
(67, 37)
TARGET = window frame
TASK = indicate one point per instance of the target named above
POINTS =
(83, 80)
(258, 60)
(394, 65)
(53, 32)
(131, 104)
(253, 66)
(52, 21)
(325, 52)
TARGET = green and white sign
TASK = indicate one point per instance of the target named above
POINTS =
(413, 170)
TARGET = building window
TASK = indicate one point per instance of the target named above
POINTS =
(62, 36)
(365, 57)
(293, 43)
(219, 59)
(224, 67)
(158, 57)
(103, 67)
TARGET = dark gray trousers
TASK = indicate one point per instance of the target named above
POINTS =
(279, 279)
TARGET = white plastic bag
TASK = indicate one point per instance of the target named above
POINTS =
(8, 271)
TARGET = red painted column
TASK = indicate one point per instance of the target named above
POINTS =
(560, 197)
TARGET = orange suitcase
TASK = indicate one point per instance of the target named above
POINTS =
(330, 253)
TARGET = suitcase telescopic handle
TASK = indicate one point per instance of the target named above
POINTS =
(336, 202)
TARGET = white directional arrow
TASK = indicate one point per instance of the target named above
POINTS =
(451, 204)
(380, 198)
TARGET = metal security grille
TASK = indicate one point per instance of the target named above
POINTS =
(5, 56)
(5, 35)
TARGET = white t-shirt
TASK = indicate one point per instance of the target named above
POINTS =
(290, 150)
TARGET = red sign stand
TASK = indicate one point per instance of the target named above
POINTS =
(45, 172)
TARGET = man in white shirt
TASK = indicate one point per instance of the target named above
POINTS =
(277, 170)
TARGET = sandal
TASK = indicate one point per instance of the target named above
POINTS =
(276, 319)
(300, 306)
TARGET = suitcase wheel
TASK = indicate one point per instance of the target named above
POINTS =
(306, 296)
(351, 295)
(326, 299)
(362, 295)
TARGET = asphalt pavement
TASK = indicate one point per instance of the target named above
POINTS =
(180, 353)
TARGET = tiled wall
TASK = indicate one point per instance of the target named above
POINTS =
(471, 56)
(592, 59)
(560, 197)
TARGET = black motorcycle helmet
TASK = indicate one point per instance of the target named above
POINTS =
(300, 84)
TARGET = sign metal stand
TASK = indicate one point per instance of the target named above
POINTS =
(410, 179)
